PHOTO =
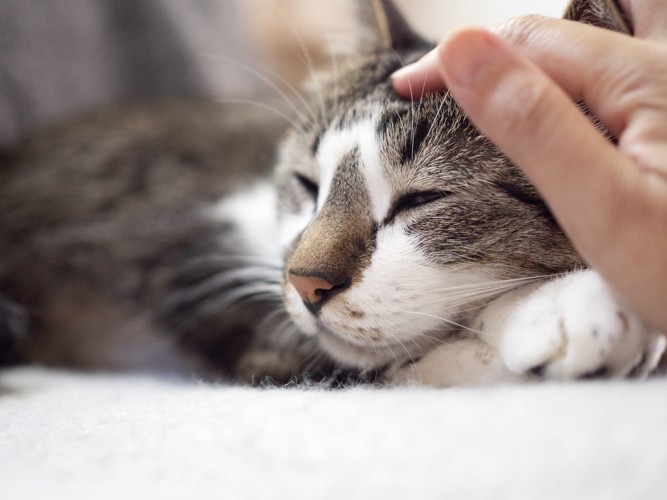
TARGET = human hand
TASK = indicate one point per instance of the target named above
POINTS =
(519, 86)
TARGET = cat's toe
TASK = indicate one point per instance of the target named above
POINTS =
(644, 362)
(607, 346)
(650, 359)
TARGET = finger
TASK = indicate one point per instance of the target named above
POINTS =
(574, 55)
(620, 78)
(578, 58)
(419, 78)
(605, 204)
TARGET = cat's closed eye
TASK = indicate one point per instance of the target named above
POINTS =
(309, 186)
(414, 200)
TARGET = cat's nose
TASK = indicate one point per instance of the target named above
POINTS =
(313, 289)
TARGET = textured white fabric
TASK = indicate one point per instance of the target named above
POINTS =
(87, 436)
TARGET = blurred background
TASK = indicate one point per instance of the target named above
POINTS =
(62, 57)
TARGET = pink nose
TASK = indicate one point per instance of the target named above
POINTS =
(311, 288)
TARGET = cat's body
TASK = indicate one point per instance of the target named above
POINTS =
(113, 237)
(404, 243)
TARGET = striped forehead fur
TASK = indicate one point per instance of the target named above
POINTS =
(339, 142)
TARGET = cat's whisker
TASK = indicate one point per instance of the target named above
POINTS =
(466, 308)
(414, 131)
(209, 296)
(398, 56)
(307, 60)
(473, 301)
(500, 276)
(333, 68)
(412, 102)
(227, 259)
(279, 103)
(287, 331)
(445, 320)
(445, 98)
(249, 291)
(262, 105)
(224, 280)
(467, 303)
(486, 285)
(269, 80)
(273, 320)
(444, 294)
(439, 342)
(314, 360)
(467, 297)
(412, 116)
(210, 307)
(475, 296)
(403, 346)
(334, 64)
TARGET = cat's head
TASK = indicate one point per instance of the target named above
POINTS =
(398, 219)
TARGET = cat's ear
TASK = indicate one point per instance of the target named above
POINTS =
(383, 27)
(602, 13)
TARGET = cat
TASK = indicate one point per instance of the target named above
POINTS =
(392, 242)
(419, 222)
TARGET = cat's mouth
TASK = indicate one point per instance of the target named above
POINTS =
(360, 338)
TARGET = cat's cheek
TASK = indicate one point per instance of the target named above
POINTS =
(298, 312)
(292, 225)
(354, 356)
(252, 214)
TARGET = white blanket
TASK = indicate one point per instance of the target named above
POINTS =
(72, 436)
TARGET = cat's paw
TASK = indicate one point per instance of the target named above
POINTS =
(461, 362)
(572, 328)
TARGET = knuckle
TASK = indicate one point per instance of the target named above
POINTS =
(520, 31)
(527, 104)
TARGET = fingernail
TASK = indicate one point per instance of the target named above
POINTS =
(466, 54)
(405, 71)
(424, 63)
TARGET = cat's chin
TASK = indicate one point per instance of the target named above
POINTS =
(365, 354)
(345, 352)
(366, 357)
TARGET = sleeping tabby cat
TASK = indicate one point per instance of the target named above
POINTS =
(392, 239)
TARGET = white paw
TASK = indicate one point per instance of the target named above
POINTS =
(572, 327)
(462, 362)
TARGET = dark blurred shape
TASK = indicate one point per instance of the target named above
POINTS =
(64, 56)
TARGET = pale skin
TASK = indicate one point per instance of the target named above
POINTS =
(518, 82)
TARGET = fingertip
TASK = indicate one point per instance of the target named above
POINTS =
(466, 54)
(431, 72)
(419, 78)
(401, 80)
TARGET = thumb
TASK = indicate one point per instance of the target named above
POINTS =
(419, 78)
